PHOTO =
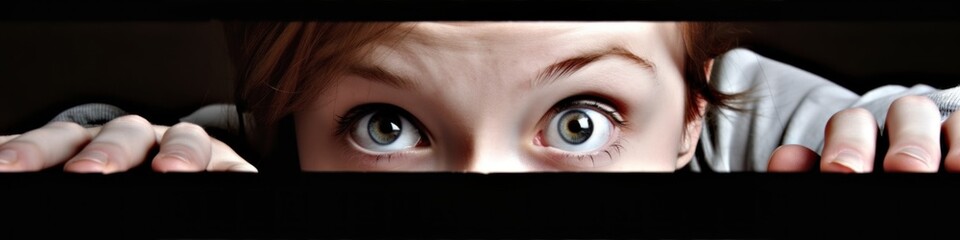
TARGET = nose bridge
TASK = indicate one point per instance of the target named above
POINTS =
(482, 138)
(487, 131)
(494, 155)
(488, 149)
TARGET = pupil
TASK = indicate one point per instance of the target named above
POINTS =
(576, 127)
(384, 128)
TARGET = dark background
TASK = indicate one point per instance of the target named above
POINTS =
(165, 70)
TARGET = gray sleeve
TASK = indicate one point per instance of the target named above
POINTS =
(784, 105)
(947, 100)
(90, 115)
(222, 116)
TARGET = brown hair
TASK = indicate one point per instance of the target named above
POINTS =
(283, 66)
(704, 41)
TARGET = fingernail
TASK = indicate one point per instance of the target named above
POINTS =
(916, 153)
(850, 160)
(96, 156)
(8, 156)
(181, 163)
(88, 162)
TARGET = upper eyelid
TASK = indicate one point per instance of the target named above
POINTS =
(350, 118)
(347, 121)
(587, 101)
(604, 107)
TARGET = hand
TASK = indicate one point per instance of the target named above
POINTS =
(913, 127)
(118, 146)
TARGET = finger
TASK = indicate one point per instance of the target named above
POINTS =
(120, 145)
(792, 158)
(41, 148)
(913, 124)
(951, 128)
(850, 142)
(5, 139)
(225, 159)
(184, 147)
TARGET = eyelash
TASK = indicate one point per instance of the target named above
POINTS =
(348, 120)
(600, 105)
(616, 146)
(592, 102)
(346, 123)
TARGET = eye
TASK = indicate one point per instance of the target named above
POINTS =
(579, 130)
(582, 126)
(385, 130)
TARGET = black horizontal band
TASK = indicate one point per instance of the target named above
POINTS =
(457, 205)
(383, 10)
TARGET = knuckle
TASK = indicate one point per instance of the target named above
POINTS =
(131, 124)
(131, 120)
(187, 134)
(914, 114)
(68, 126)
(852, 113)
(913, 101)
(190, 128)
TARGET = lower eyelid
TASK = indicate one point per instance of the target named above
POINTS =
(565, 160)
(376, 159)
(591, 160)
(389, 161)
(398, 160)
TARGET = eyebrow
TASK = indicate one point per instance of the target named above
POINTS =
(546, 76)
(571, 65)
(378, 74)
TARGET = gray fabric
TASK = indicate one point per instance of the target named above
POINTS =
(948, 101)
(221, 116)
(90, 115)
(785, 105)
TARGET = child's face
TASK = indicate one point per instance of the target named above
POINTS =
(507, 97)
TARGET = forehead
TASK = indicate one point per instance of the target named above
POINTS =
(508, 32)
(539, 35)
(505, 46)
(479, 61)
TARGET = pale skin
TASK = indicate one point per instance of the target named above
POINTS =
(118, 146)
(478, 97)
(475, 89)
